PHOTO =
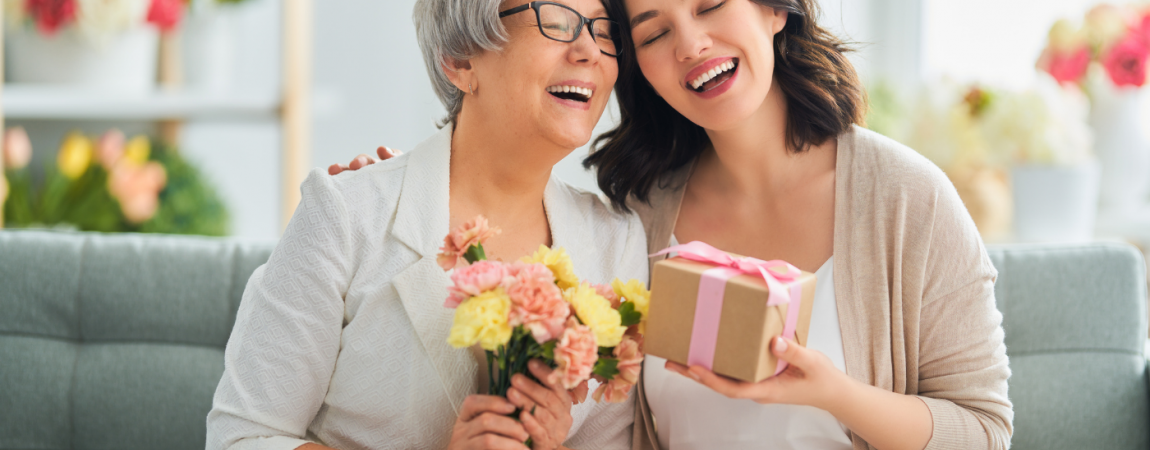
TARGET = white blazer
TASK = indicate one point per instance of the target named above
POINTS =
(341, 338)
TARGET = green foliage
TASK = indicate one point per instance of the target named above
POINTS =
(187, 203)
(629, 315)
(606, 368)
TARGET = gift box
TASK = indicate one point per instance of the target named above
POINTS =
(721, 311)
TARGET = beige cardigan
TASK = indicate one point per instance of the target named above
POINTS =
(914, 288)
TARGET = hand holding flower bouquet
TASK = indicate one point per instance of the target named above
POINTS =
(536, 308)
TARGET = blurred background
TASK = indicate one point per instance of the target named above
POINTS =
(203, 117)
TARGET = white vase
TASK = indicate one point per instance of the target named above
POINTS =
(124, 63)
(209, 41)
(1055, 203)
(1121, 123)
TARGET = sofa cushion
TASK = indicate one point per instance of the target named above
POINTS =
(1075, 322)
(115, 341)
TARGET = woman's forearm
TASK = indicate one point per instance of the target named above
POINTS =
(884, 419)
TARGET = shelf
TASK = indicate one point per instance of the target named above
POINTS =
(54, 102)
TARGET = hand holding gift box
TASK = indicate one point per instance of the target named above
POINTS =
(719, 311)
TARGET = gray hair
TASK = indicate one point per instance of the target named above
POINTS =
(455, 30)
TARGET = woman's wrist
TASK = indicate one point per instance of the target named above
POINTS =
(843, 394)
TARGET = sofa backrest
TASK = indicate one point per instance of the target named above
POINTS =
(115, 341)
(1075, 321)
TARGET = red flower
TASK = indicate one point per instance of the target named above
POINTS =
(1126, 62)
(165, 14)
(1068, 67)
(50, 15)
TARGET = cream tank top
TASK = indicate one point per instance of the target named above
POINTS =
(690, 416)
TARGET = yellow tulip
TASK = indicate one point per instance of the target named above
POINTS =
(75, 155)
(138, 150)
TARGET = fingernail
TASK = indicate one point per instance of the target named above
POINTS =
(781, 345)
(693, 375)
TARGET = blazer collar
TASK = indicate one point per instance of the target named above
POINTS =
(422, 216)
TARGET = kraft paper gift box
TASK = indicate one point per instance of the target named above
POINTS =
(734, 333)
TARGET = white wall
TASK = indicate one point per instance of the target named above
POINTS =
(991, 41)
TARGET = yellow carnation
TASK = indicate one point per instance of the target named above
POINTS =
(560, 264)
(596, 312)
(482, 319)
(75, 155)
(138, 150)
(635, 292)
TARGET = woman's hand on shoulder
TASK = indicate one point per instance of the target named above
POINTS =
(810, 379)
(363, 160)
(484, 423)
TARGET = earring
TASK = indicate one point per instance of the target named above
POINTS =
(469, 89)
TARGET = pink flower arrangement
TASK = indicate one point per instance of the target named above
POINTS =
(50, 16)
(1117, 38)
(517, 312)
(137, 188)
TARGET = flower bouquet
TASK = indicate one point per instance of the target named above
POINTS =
(109, 184)
(537, 308)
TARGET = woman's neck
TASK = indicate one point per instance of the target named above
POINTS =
(754, 157)
(501, 174)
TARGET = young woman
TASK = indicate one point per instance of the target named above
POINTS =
(341, 338)
(740, 127)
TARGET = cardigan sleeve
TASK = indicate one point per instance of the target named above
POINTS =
(962, 363)
(282, 351)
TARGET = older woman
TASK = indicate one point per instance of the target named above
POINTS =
(340, 340)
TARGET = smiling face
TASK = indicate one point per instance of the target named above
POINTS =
(541, 87)
(712, 60)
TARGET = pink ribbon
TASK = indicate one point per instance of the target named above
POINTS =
(709, 306)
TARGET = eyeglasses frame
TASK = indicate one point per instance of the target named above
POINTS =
(583, 23)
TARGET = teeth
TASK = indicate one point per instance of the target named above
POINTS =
(570, 89)
(712, 73)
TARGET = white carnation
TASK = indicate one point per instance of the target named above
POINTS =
(100, 20)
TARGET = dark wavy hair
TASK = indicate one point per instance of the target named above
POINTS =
(823, 93)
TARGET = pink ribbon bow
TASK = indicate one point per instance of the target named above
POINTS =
(709, 306)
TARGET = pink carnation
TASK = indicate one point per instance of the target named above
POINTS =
(536, 302)
(51, 15)
(1126, 62)
(608, 293)
(456, 243)
(579, 394)
(474, 280)
(630, 356)
(575, 355)
(165, 14)
(1067, 67)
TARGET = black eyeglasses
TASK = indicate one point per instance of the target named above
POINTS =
(561, 23)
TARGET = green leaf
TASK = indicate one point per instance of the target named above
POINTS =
(549, 350)
(475, 253)
(629, 315)
(606, 368)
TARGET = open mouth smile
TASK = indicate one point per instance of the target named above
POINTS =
(573, 93)
(714, 77)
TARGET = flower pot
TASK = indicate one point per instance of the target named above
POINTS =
(1121, 124)
(209, 41)
(124, 63)
(1053, 203)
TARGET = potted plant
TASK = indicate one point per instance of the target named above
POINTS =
(104, 44)
(1106, 56)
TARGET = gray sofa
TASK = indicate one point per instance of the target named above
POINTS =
(116, 341)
